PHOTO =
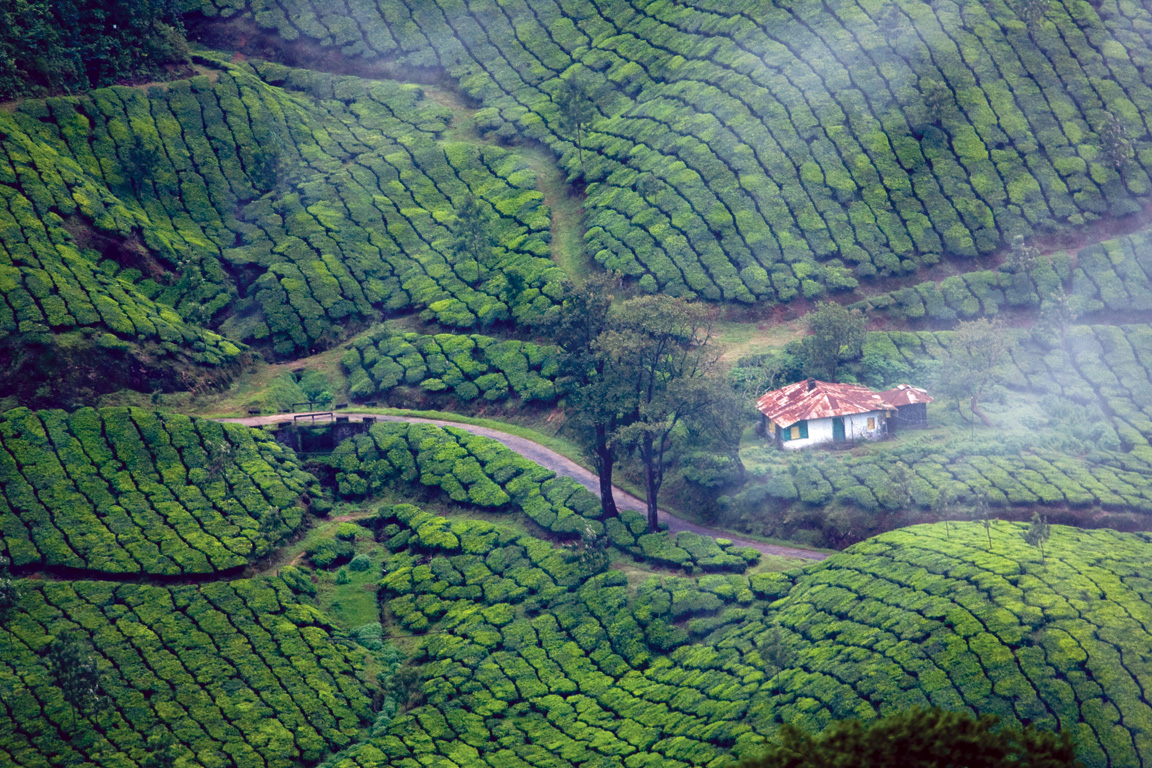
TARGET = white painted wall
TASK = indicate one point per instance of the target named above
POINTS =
(819, 431)
(855, 428)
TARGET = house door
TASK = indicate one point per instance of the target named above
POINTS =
(837, 429)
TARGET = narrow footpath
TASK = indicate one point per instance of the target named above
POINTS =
(561, 465)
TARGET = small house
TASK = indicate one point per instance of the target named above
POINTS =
(815, 412)
(911, 405)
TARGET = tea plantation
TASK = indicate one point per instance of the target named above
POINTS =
(1109, 276)
(525, 661)
(480, 472)
(279, 206)
(467, 366)
(741, 151)
(235, 673)
(127, 491)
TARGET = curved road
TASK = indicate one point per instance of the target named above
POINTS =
(561, 466)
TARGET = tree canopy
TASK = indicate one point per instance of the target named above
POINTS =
(61, 46)
(918, 739)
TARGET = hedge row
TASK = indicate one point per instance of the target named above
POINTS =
(479, 471)
(1111, 275)
(468, 366)
(972, 294)
(748, 151)
(236, 673)
(1100, 372)
(280, 205)
(529, 660)
(124, 490)
(920, 617)
(1115, 275)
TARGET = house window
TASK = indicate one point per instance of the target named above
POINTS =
(871, 423)
(798, 431)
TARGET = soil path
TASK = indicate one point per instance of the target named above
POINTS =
(561, 465)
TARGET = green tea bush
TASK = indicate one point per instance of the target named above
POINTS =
(472, 365)
(478, 471)
(752, 152)
(329, 553)
(129, 491)
(279, 207)
(234, 672)
(526, 660)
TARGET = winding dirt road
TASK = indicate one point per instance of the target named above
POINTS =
(561, 465)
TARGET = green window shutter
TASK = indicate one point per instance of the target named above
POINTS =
(803, 430)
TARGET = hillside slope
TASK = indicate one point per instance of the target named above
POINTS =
(122, 491)
(526, 662)
(280, 207)
(769, 150)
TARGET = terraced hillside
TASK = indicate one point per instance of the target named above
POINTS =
(753, 150)
(480, 473)
(526, 661)
(230, 673)
(467, 366)
(127, 491)
(280, 207)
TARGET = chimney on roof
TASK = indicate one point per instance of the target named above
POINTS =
(811, 384)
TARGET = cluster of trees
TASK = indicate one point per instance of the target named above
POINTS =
(918, 738)
(641, 378)
(65, 46)
(128, 491)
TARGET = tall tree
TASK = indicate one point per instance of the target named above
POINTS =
(577, 111)
(1033, 13)
(472, 240)
(1038, 534)
(658, 348)
(939, 103)
(74, 671)
(774, 650)
(979, 348)
(161, 748)
(591, 384)
(1024, 256)
(835, 334)
(982, 512)
(917, 738)
(899, 488)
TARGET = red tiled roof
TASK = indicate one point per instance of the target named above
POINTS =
(797, 402)
(905, 394)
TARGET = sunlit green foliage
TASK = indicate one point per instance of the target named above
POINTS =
(278, 206)
(480, 472)
(128, 491)
(527, 661)
(470, 367)
(235, 672)
(749, 150)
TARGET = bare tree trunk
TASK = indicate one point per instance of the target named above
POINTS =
(651, 483)
(605, 460)
(978, 412)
